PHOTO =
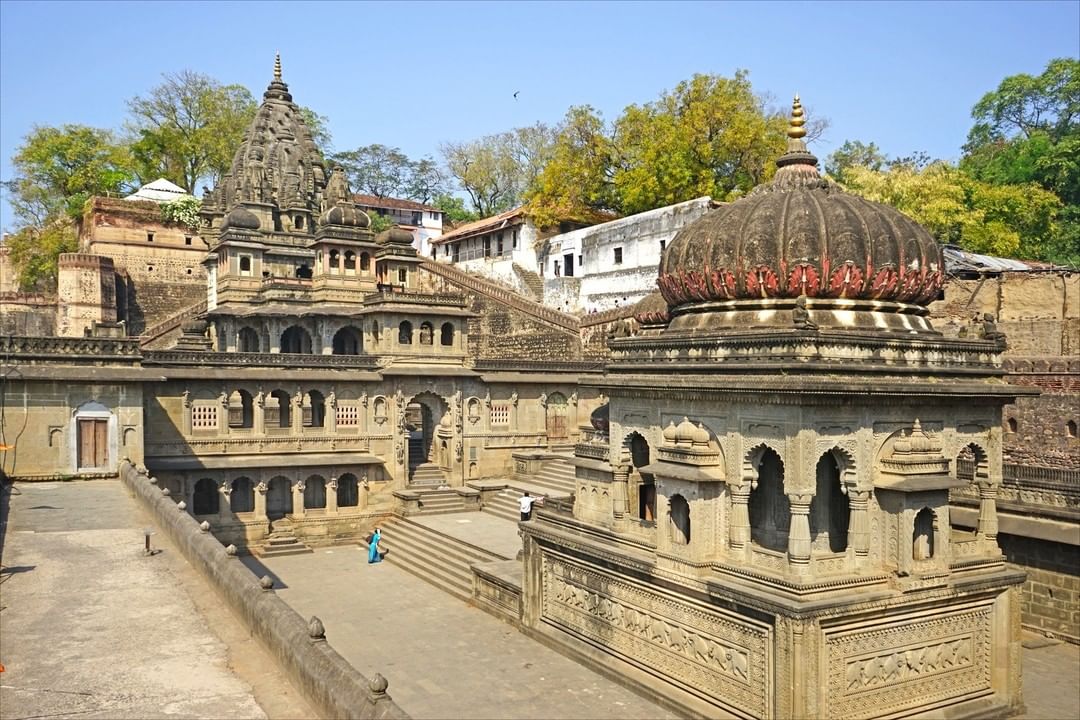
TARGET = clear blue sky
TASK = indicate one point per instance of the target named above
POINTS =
(903, 75)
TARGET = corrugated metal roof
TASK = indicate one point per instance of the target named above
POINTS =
(959, 261)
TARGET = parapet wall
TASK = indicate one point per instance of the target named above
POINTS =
(333, 686)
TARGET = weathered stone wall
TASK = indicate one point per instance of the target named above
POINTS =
(1051, 594)
(27, 314)
(330, 683)
(1037, 430)
(86, 293)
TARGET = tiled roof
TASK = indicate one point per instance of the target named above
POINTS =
(392, 203)
(495, 222)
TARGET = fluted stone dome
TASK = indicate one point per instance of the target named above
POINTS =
(240, 218)
(394, 236)
(651, 309)
(345, 214)
(801, 235)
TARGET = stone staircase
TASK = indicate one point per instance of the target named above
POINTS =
(557, 476)
(280, 542)
(437, 502)
(433, 556)
(505, 505)
(428, 474)
(530, 280)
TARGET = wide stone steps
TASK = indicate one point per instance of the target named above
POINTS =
(441, 501)
(432, 556)
(557, 476)
(280, 546)
(505, 505)
(427, 474)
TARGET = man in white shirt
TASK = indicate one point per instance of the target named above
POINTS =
(525, 503)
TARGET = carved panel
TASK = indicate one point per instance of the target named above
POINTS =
(711, 653)
(908, 663)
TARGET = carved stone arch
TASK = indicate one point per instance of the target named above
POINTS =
(844, 455)
(971, 460)
(752, 457)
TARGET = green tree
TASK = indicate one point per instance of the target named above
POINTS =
(188, 128)
(454, 209)
(320, 128)
(56, 169)
(35, 252)
(375, 169)
(379, 222)
(854, 153)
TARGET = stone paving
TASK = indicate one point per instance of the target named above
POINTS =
(89, 627)
(442, 658)
(485, 530)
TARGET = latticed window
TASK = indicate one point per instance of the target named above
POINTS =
(348, 416)
(204, 417)
(500, 413)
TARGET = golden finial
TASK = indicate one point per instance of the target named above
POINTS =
(796, 129)
(277, 67)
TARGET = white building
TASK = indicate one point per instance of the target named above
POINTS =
(423, 221)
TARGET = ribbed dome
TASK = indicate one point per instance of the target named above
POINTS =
(345, 214)
(652, 309)
(800, 235)
(394, 236)
(240, 218)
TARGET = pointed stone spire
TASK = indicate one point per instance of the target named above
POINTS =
(277, 89)
(797, 163)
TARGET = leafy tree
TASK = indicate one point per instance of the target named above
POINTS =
(319, 126)
(380, 222)
(454, 209)
(375, 169)
(188, 128)
(854, 153)
(35, 252)
(426, 180)
(58, 168)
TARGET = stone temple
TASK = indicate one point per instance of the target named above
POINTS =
(753, 517)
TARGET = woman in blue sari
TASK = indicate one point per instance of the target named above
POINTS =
(373, 555)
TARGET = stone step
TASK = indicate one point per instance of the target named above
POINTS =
(432, 556)
(278, 551)
(505, 505)
(281, 540)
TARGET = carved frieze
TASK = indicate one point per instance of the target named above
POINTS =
(908, 663)
(712, 653)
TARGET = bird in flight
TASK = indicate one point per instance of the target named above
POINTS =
(516, 94)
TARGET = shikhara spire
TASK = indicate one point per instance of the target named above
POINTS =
(277, 68)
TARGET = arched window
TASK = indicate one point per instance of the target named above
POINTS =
(426, 334)
(296, 340)
(1010, 425)
(922, 539)
(206, 498)
(241, 410)
(314, 409)
(1070, 428)
(335, 258)
(375, 330)
(315, 492)
(365, 262)
(279, 498)
(348, 491)
(643, 482)
(829, 510)
(447, 335)
(243, 496)
(348, 341)
(350, 261)
(248, 340)
(303, 272)
(405, 333)
(770, 511)
(245, 264)
(680, 520)
(278, 411)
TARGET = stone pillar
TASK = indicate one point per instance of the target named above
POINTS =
(619, 491)
(331, 495)
(739, 529)
(223, 413)
(799, 532)
(331, 413)
(225, 501)
(186, 399)
(859, 521)
(260, 500)
(298, 498)
(988, 522)
(297, 418)
(258, 414)
(273, 336)
(362, 491)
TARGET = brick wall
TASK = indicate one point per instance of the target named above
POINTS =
(1042, 434)
(1051, 593)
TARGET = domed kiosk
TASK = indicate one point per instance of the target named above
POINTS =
(763, 530)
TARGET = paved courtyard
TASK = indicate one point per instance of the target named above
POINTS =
(442, 658)
(91, 628)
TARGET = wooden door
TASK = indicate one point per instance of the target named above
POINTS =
(93, 443)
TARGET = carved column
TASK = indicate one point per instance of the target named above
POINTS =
(859, 502)
(331, 495)
(362, 491)
(186, 400)
(739, 529)
(258, 405)
(298, 498)
(331, 413)
(225, 501)
(297, 416)
(988, 522)
(799, 532)
(620, 493)
(273, 336)
(260, 500)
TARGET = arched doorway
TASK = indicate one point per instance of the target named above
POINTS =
(556, 417)
(279, 501)
(348, 341)
(422, 416)
(642, 484)
(770, 511)
(296, 340)
(205, 498)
